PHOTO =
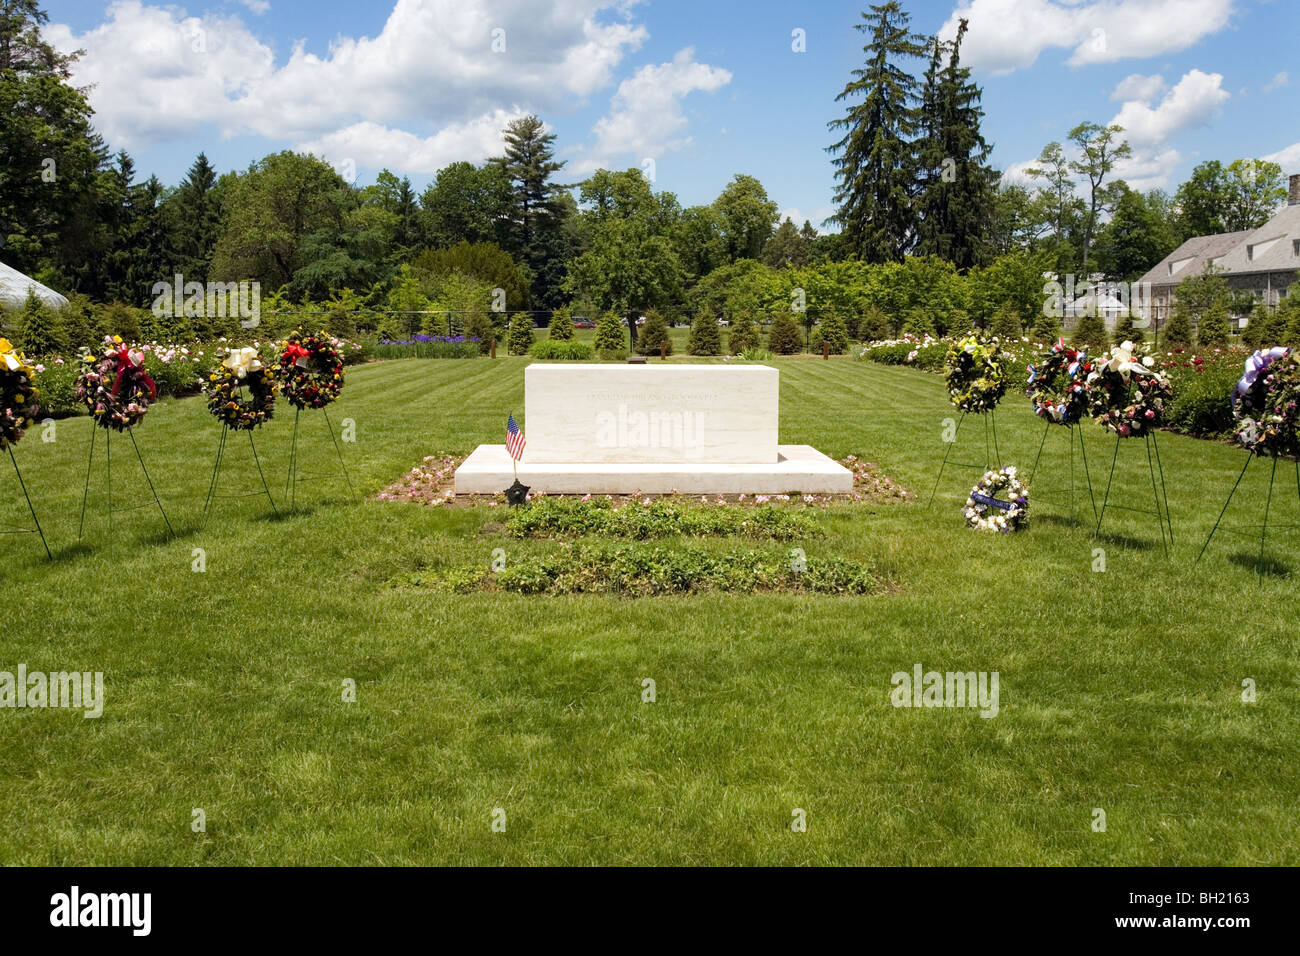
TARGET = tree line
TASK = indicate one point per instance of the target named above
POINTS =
(915, 198)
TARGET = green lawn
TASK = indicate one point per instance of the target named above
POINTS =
(1120, 690)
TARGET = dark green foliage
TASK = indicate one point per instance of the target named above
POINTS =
(39, 330)
(563, 349)
(783, 335)
(610, 335)
(654, 335)
(1090, 332)
(831, 331)
(479, 326)
(560, 328)
(704, 338)
(875, 163)
(1213, 329)
(743, 334)
(521, 333)
(874, 325)
(1179, 330)
(640, 570)
(1006, 324)
(557, 517)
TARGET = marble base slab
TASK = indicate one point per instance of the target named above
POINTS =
(800, 468)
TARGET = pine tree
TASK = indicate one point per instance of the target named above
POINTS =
(831, 330)
(521, 333)
(874, 325)
(538, 207)
(704, 338)
(918, 321)
(654, 334)
(1090, 332)
(121, 320)
(561, 328)
(195, 219)
(875, 163)
(743, 334)
(609, 334)
(1006, 324)
(1178, 333)
(39, 330)
(1213, 329)
(783, 336)
(956, 207)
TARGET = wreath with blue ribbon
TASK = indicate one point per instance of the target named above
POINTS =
(998, 502)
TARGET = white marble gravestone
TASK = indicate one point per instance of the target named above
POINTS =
(620, 429)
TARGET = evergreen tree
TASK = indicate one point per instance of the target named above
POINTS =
(654, 334)
(831, 330)
(704, 338)
(783, 336)
(1178, 333)
(1213, 328)
(958, 201)
(408, 301)
(561, 327)
(609, 334)
(875, 163)
(1006, 324)
(743, 334)
(1045, 327)
(874, 325)
(918, 321)
(1090, 332)
(538, 207)
(479, 326)
(117, 318)
(194, 216)
(521, 333)
(39, 330)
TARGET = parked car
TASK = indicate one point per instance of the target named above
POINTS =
(581, 323)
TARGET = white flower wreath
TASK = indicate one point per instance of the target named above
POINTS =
(999, 502)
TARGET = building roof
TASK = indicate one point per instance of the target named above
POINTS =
(1270, 248)
(14, 286)
(1190, 258)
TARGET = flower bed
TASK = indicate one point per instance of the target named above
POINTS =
(428, 346)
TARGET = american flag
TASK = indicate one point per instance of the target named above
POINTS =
(514, 439)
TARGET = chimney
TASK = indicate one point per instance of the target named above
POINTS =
(1293, 193)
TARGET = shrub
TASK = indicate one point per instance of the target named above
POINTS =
(557, 517)
(704, 338)
(1090, 332)
(521, 333)
(653, 335)
(756, 355)
(831, 330)
(1045, 327)
(1179, 330)
(609, 334)
(479, 326)
(744, 334)
(1006, 324)
(1200, 405)
(874, 325)
(58, 391)
(1214, 326)
(561, 328)
(918, 322)
(428, 346)
(783, 335)
(39, 330)
(561, 349)
(118, 319)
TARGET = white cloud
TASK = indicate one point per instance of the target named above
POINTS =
(646, 118)
(1137, 87)
(258, 7)
(441, 64)
(371, 145)
(1288, 158)
(1194, 101)
(1007, 35)
(1280, 79)
(816, 217)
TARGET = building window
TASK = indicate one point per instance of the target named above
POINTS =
(1295, 247)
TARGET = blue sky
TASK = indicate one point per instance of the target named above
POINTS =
(705, 90)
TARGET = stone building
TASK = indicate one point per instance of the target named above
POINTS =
(1263, 261)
